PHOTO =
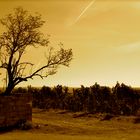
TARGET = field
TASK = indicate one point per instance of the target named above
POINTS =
(64, 125)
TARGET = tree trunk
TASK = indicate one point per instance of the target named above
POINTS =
(9, 89)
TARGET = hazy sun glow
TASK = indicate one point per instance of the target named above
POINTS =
(104, 36)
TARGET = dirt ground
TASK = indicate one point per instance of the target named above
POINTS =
(64, 125)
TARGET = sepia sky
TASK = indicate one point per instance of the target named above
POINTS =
(104, 36)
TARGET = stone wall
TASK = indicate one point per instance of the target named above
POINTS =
(15, 108)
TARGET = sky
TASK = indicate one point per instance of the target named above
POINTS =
(103, 34)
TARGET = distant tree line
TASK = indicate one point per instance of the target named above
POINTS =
(119, 100)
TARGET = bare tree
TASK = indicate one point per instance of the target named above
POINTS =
(22, 32)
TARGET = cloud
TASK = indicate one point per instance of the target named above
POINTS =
(129, 48)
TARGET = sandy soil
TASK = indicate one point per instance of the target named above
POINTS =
(63, 125)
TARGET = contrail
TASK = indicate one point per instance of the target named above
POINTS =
(86, 8)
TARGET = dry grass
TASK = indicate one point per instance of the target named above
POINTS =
(63, 125)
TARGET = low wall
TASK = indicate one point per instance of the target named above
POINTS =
(15, 108)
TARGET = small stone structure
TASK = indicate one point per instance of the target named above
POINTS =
(15, 108)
